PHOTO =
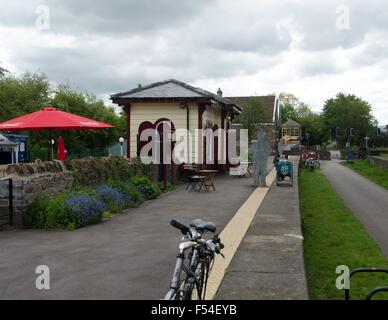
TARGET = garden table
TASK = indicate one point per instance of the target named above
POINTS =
(210, 175)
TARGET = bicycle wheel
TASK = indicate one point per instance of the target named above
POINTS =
(317, 165)
(193, 289)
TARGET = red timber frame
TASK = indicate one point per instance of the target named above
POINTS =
(149, 125)
(127, 108)
(201, 111)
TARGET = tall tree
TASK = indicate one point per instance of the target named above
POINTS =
(26, 94)
(289, 106)
(349, 111)
(293, 108)
(31, 92)
(88, 105)
(3, 71)
(251, 116)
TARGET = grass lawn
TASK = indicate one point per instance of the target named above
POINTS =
(370, 171)
(384, 155)
(333, 237)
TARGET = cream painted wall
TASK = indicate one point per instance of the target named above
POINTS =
(212, 114)
(153, 111)
(141, 112)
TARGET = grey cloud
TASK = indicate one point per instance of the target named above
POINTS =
(118, 44)
(116, 17)
(317, 22)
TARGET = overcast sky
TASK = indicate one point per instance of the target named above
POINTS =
(312, 49)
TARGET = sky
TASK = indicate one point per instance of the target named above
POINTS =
(313, 49)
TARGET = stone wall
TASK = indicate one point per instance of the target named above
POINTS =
(4, 203)
(3, 171)
(31, 179)
(379, 161)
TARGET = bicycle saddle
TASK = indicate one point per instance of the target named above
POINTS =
(202, 225)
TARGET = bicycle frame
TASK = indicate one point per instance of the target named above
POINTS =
(199, 266)
(176, 279)
(367, 270)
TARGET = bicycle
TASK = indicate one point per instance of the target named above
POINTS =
(312, 164)
(200, 254)
(373, 292)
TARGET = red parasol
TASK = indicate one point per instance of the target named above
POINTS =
(52, 119)
(62, 152)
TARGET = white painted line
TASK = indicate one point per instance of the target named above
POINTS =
(233, 234)
(295, 236)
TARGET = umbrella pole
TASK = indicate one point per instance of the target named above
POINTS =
(51, 146)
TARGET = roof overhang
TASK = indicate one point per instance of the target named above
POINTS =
(129, 101)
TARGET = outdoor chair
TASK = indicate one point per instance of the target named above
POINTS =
(197, 183)
(244, 169)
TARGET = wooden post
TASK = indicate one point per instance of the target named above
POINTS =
(128, 112)
(10, 201)
(201, 110)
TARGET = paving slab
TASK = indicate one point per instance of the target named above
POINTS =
(269, 263)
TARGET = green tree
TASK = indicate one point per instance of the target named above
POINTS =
(26, 94)
(31, 92)
(293, 108)
(251, 116)
(89, 106)
(3, 71)
(348, 111)
(289, 106)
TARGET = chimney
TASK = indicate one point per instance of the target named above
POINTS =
(219, 93)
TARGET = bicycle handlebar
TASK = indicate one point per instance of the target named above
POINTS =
(180, 226)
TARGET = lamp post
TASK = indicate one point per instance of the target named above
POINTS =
(121, 140)
(51, 151)
(366, 142)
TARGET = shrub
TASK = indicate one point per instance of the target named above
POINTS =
(114, 199)
(46, 213)
(146, 187)
(133, 196)
(56, 215)
(36, 213)
(84, 210)
(169, 186)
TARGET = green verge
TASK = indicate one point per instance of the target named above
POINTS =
(334, 237)
(370, 171)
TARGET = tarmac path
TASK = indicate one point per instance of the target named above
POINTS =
(367, 200)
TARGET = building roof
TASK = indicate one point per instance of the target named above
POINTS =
(291, 123)
(164, 89)
(6, 142)
(171, 89)
(269, 104)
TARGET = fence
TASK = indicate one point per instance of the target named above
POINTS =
(6, 202)
(43, 154)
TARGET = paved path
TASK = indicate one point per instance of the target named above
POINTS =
(131, 256)
(269, 263)
(367, 200)
(234, 233)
